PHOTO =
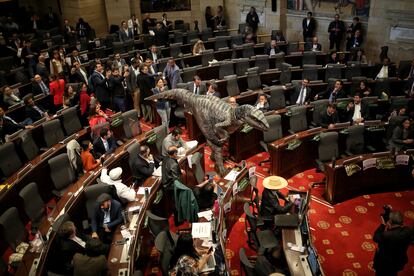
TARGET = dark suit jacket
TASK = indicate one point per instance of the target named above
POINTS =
(36, 89)
(340, 33)
(101, 87)
(352, 41)
(43, 72)
(309, 46)
(32, 113)
(8, 126)
(364, 112)
(99, 148)
(170, 172)
(84, 265)
(296, 92)
(397, 138)
(270, 204)
(63, 252)
(115, 84)
(392, 248)
(115, 214)
(202, 89)
(326, 120)
(326, 94)
(268, 49)
(123, 36)
(160, 37)
(141, 170)
(308, 30)
(77, 77)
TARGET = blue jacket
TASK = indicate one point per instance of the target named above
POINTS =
(115, 213)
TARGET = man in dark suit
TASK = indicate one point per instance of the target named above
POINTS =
(39, 86)
(144, 165)
(301, 93)
(172, 74)
(386, 70)
(125, 33)
(94, 262)
(402, 136)
(41, 69)
(170, 170)
(270, 205)
(155, 54)
(336, 31)
(69, 31)
(8, 125)
(78, 74)
(212, 90)
(273, 49)
(333, 93)
(104, 144)
(33, 111)
(357, 111)
(393, 240)
(161, 36)
(354, 41)
(101, 86)
(308, 26)
(197, 86)
(313, 46)
(329, 117)
(147, 23)
(106, 217)
(69, 242)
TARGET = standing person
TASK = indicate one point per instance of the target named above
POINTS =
(41, 68)
(56, 64)
(252, 19)
(57, 88)
(336, 31)
(161, 36)
(146, 23)
(29, 56)
(393, 239)
(124, 32)
(133, 24)
(170, 171)
(82, 28)
(219, 21)
(132, 85)
(84, 103)
(101, 85)
(172, 74)
(117, 84)
(145, 84)
(208, 15)
(163, 106)
(308, 27)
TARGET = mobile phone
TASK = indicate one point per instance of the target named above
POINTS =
(210, 178)
(210, 250)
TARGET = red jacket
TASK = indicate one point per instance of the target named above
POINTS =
(84, 100)
(57, 88)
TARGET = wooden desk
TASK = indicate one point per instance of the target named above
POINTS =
(341, 187)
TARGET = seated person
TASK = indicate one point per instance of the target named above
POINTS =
(105, 144)
(332, 93)
(270, 205)
(33, 111)
(144, 165)
(125, 193)
(106, 217)
(185, 258)
(8, 125)
(198, 48)
(360, 56)
(262, 104)
(301, 93)
(68, 243)
(278, 36)
(333, 57)
(39, 86)
(356, 111)
(93, 262)
(329, 117)
(273, 49)
(232, 102)
(386, 71)
(170, 169)
(9, 98)
(363, 89)
(212, 90)
(97, 115)
(205, 194)
(354, 41)
(271, 261)
(89, 162)
(173, 139)
(313, 46)
(402, 137)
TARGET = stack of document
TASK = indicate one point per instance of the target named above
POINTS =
(205, 214)
(201, 230)
(157, 172)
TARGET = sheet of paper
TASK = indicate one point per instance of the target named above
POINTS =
(201, 230)
(252, 170)
(126, 234)
(402, 159)
(190, 164)
(369, 163)
(157, 172)
(134, 208)
(141, 190)
(192, 144)
(151, 32)
(205, 214)
(232, 175)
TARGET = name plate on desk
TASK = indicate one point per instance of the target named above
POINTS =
(47, 153)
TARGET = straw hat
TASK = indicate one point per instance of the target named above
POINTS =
(274, 182)
(276, 274)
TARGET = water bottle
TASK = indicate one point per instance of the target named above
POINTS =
(146, 193)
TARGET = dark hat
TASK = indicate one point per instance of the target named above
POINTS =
(103, 197)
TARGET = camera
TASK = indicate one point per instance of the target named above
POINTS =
(386, 215)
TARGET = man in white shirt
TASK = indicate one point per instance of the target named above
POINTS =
(133, 24)
(383, 73)
(356, 110)
(125, 193)
(154, 55)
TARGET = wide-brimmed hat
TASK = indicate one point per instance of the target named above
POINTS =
(274, 182)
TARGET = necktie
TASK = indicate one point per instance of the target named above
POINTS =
(301, 96)
(332, 96)
(197, 90)
(10, 119)
(44, 88)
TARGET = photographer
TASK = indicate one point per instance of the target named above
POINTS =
(393, 240)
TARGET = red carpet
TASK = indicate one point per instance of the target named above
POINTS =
(342, 234)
